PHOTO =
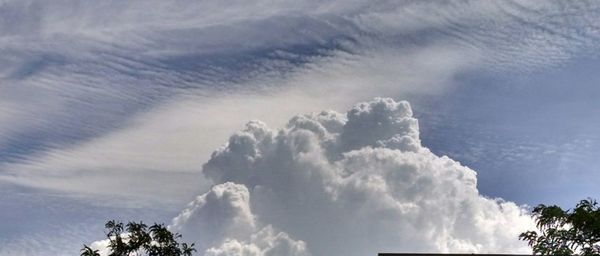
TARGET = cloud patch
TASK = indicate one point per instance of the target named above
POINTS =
(353, 184)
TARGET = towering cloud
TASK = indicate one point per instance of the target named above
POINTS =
(353, 184)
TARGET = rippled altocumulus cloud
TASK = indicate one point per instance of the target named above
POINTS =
(98, 91)
(78, 76)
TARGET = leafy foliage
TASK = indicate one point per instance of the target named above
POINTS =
(575, 231)
(137, 238)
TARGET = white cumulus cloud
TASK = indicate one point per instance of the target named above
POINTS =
(353, 184)
(266, 242)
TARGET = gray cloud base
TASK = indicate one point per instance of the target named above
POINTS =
(354, 184)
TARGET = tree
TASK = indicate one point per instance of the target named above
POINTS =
(137, 238)
(574, 231)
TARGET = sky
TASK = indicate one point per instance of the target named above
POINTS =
(295, 127)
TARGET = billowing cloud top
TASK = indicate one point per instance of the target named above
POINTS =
(354, 184)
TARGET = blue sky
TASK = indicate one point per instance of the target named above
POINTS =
(529, 136)
(110, 109)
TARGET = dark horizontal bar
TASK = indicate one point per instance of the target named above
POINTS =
(447, 254)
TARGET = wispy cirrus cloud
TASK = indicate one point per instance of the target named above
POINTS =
(87, 74)
(108, 90)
